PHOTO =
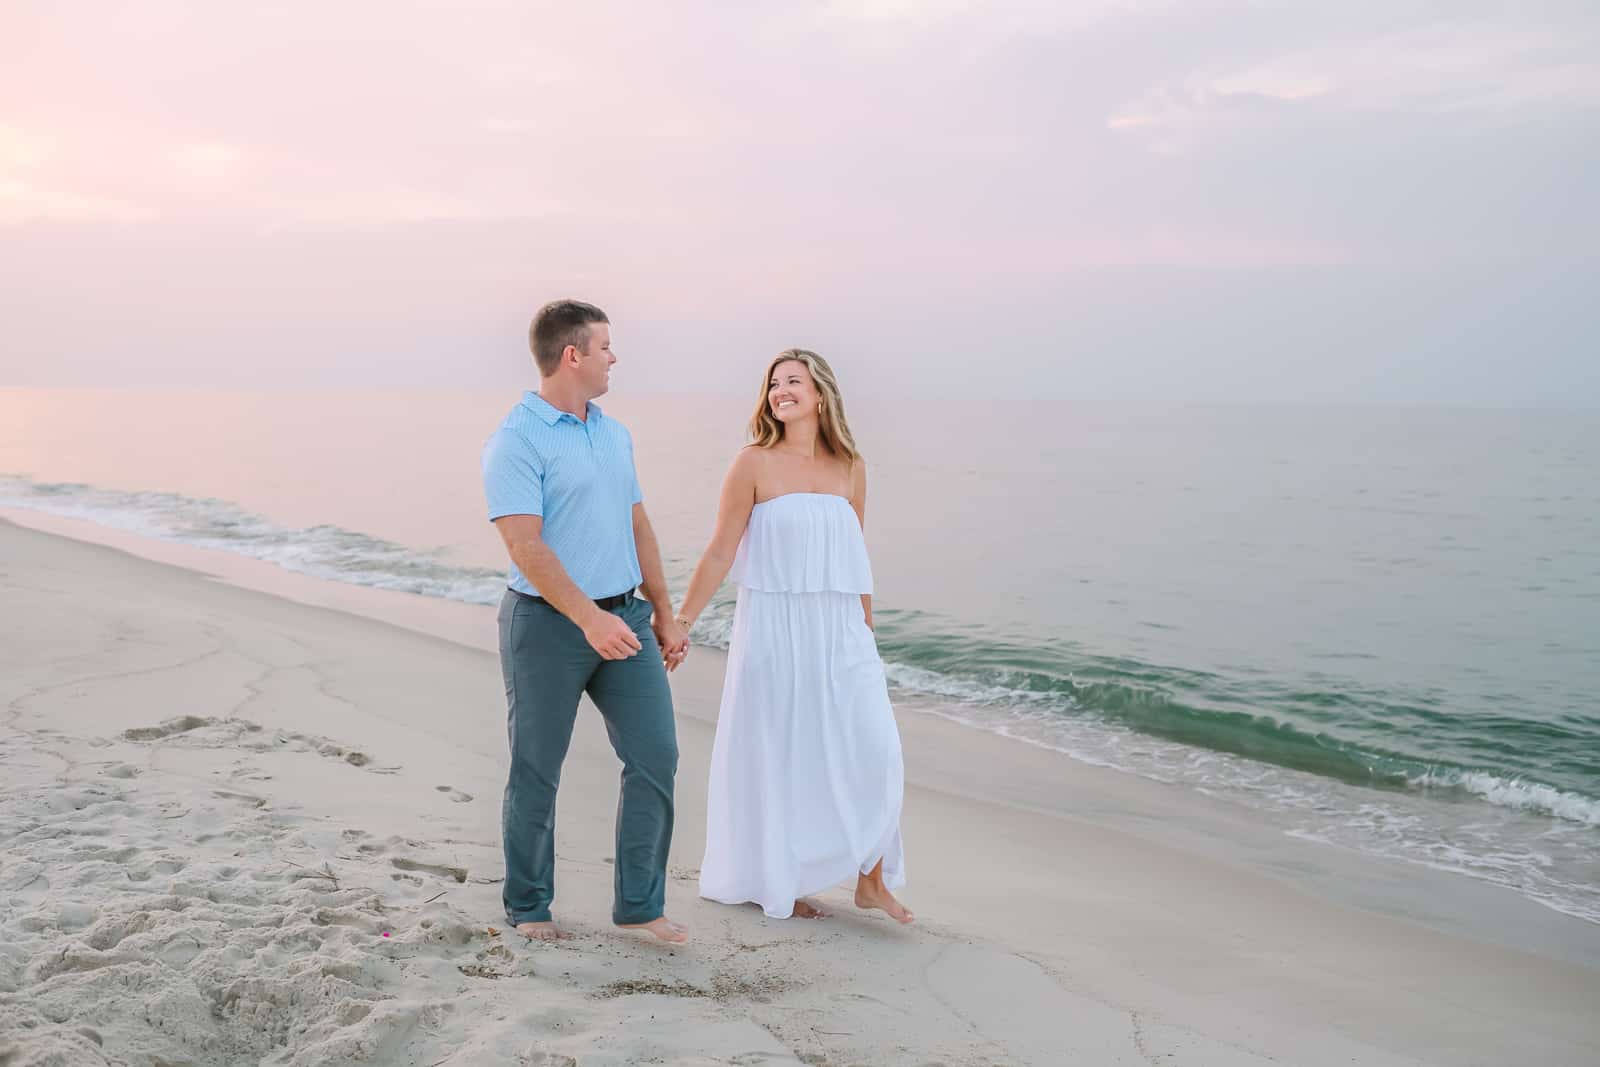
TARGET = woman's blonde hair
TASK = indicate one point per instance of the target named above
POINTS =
(766, 430)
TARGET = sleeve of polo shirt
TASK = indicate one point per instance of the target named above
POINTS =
(513, 477)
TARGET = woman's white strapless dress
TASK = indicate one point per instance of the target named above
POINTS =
(806, 772)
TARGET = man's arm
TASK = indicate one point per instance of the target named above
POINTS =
(672, 638)
(524, 537)
(655, 577)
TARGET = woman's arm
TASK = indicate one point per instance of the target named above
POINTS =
(733, 515)
(858, 500)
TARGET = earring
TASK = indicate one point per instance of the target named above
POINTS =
(819, 407)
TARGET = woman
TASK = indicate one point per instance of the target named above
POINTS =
(806, 773)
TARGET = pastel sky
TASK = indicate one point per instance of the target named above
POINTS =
(1330, 201)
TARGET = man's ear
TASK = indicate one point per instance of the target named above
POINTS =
(569, 353)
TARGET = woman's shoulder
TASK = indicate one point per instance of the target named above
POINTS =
(750, 456)
(748, 463)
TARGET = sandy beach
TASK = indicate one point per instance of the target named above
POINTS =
(252, 817)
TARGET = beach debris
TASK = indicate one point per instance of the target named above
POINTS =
(307, 872)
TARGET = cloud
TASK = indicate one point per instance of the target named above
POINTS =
(23, 203)
(178, 182)
(17, 150)
(209, 158)
(397, 204)
(497, 124)
(1482, 69)
(889, 11)
(1154, 245)
(811, 170)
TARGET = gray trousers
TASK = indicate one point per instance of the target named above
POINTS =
(548, 665)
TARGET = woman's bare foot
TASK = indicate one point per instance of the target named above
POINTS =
(545, 931)
(664, 928)
(870, 894)
(804, 909)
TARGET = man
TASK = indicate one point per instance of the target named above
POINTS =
(561, 487)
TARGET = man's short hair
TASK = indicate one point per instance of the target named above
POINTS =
(558, 324)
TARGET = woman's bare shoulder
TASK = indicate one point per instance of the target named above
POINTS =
(748, 462)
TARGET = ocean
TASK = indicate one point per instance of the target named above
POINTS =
(1378, 628)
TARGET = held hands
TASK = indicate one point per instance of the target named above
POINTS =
(608, 635)
(673, 637)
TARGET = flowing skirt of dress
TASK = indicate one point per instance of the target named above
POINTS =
(807, 777)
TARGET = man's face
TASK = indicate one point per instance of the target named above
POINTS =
(595, 359)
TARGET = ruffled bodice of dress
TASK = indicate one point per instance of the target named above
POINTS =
(803, 543)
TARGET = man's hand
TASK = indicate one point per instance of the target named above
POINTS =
(673, 638)
(608, 635)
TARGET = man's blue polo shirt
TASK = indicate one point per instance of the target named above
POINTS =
(579, 475)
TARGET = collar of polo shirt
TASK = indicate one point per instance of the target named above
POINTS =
(552, 414)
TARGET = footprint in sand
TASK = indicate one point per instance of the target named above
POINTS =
(222, 733)
(181, 725)
(333, 750)
(29, 884)
(244, 770)
(454, 794)
(254, 802)
(458, 874)
(496, 961)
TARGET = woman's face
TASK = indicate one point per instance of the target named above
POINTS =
(791, 393)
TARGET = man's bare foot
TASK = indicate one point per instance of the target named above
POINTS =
(870, 895)
(545, 931)
(804, 909)
(664, 928)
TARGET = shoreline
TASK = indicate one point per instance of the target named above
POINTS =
(1066, 892)
(1487, 818)
(1449, 900)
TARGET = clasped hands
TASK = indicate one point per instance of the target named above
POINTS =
(673, 637)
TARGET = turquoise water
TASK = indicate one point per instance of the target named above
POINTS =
(1379, 628)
